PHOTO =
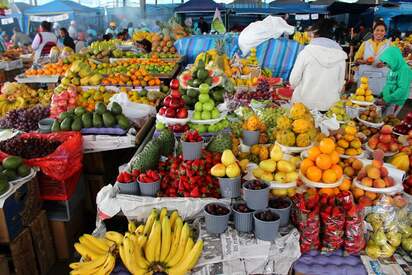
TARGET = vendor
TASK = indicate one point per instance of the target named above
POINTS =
(66, 40)
(368, 59)
(318, 75)
(144, 45)
(112, 29)
(43, 41)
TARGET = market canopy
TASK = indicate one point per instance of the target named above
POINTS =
(295, 6)
(198, 6)
(358, 7)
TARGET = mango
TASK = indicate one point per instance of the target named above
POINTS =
(258, 172)
(292, 176)
(401, 161)
(219, 170)
(280, 177)
(267, 176)
(228, 158)
(276, 153)
(233, 170)
(285, 166)
(268, 165)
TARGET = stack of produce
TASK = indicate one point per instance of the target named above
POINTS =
(347, 140)
(79, 118)
(296, 128)
(338, 109)
(81, 73)
(363, 93)
(205, 108)
(163, 244)
(370, 114)
(405, 126)
(51, 69)
(216, 58)
(13, 168)
(384, 140)
(228, 166)
(254, 123)
(25, 119)
(162, 44)
(154, 65)
(63, 101)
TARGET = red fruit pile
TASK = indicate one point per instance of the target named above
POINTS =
(126, 177)
(149, 177)
(407, 185)
(189, 178)
(192, 136)
(384, 140)
(177, 128)
(406, 125)
(174, 105)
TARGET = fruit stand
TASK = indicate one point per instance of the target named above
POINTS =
(205, 167)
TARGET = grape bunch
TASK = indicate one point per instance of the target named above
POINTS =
(25, 119)
(29, 148)
(270, 115)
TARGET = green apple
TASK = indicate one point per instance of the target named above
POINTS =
(197, 115)
(212, 128)
(160, 126)
(204, 88)
(202, 129)
(199, 106)
(208, 106)
(215, 113)
(204, 98)
(206, 115)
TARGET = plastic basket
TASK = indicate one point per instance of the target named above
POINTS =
(51, 189)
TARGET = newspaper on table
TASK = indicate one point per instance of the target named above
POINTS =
(400, 263)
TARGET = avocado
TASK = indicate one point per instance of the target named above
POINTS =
(10, 174)
(196, 83)
(77, 124)
(100, 108)
(123, 123)
(116, 108)
(108, 119)
(79, 111)
(193, 93)
(12, 162)
(202, 74)
(23, 170)
(4, 184)
(64, 115)
(87, 120)
(143, 92)
(56, 126)
(66, 124)
(97, 120)
(164, 89)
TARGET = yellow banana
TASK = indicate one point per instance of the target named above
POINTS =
(173, 218)
(131, 227)
(189, 245)
(114, 236)
(141, 240)
(124, 257)
(152, 242)
(181, 247)
(87, 252)
(166, 238)
(139, 230)
(150, 220)
(96, 242)
(136, 255)
(86, 243)
(176, 238)
(189, 262)
(108, 266)
(163, 213)
(90, 265)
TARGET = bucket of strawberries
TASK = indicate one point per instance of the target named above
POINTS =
(149, 183)
(192, 144)
(126, 182)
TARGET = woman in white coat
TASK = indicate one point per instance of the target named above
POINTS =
(43, 41)
(318, 75)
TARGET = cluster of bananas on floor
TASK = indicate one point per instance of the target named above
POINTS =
(163, 244)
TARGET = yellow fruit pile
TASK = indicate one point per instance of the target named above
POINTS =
(347, 141)
(297, 128)
(321, 165)
(229, 166)
(277, 168)
(163, 244)
(363, 93)
(253, 123)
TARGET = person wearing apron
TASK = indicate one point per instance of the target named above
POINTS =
(368, 59)
(43, 41)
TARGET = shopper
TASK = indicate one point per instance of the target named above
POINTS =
(203, 26)
(20, 39)
(368, 59)
(144, 45)
(66, 40)
(44, 40)
(112, 29)
(81, 43)
(397, 87)
(318, 75)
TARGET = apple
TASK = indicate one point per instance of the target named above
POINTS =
(170, 112)
(175, 103)
(175, 94)
(204, 88)
(204, 98)
(162, 111)
(384, 147)
(174, 84)
(198, 106)
(167, 100)
(386, 130)
(215, 114)
(181, 113)
(385, 138)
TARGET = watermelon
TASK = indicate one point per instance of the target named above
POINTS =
(184, 78)
(216, 81)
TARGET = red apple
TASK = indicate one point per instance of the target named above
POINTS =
(181, 113)
(162, 111)
(384, 138)
(170, 112)
(175, 103)
(384, 147)
(373, 142)
(174, 84)
(386, 130)
(409, 181)
(175, 94)
(167, 101)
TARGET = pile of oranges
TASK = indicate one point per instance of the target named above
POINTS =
(135, 77)
(49, 69)
(322, 163)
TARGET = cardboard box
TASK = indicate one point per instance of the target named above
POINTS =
(22, 253)
(42, 243)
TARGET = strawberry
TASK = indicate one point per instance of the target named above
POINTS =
(195, 193)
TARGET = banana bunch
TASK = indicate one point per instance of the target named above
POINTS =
(301, 38)
(139, 36)
(8, 104)
(163, 244)
(97, 254)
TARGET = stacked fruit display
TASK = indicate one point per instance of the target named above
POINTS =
(228, 166)
(296, 128)
(25, 119)
(367, 131)
(173, 106)
(384, 140)
(154, 65)
(370, 114)
(79, 118)
(162, 44)
(210, 128)
(50, 69)
(139, 78)
(347, 141)
(254, 123)
(277, 168)
(163, 244)
(81, 73)
(405, 126)
(363, 93)
(64, 101)
(12, 168)
(338, 109)
(322, 163)
(252, 57)
(205, 108)
(29, 148)
(391, 120)
(199, 75)
(102, 50)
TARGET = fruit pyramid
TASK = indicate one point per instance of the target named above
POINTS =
(384, 140)
(347, 141)
(322, 163)
(363, 93)
(338, 109)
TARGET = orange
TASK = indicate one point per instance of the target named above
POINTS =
(336, 191)
(348, 137)
(314, 173)
(323, 161)
(329, 176)
(357, 193)
(338, 170)
(313, 153)
(350, 130)
(371, 195)
(334, 157)
(305, 164)
(327, 191)
(327, 145)
(346, 184)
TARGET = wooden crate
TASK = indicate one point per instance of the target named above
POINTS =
(4, 265)
(22, 253)
(42, 243)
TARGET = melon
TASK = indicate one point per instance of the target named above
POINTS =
(216, 81)
(184, 78)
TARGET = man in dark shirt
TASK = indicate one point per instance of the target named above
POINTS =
(203, 26)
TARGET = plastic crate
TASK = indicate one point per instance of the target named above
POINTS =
(51, 189)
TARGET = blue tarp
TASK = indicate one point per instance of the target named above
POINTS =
(279, 55)
(296, 7)
(400, 16)
(196, 6)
